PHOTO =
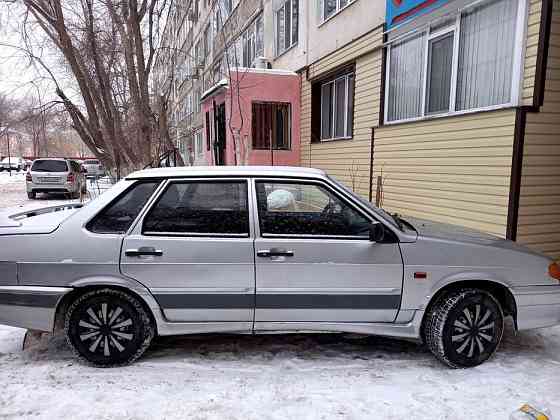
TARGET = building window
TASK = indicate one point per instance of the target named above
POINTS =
(337, 108)
(253, 42)
(207, 40)
(466, 64)
(287, 26)
(330, 7)
(271, 126)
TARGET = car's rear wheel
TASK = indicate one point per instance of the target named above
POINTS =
(31, 195)
(108, 328)
(464, 328)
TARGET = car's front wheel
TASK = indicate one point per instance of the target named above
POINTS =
(464, 328)
(108, 328)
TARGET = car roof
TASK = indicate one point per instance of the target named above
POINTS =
(224, 171)
(48, 158)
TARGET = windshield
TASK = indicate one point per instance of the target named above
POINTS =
(380, 212)
(49, 166)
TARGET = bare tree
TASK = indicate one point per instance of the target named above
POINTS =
(107, 47)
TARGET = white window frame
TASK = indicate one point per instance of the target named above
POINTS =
(338, 9)
(348, 136)
(517, 74)
(292, 43)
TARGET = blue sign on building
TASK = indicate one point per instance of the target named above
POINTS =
(400, 11)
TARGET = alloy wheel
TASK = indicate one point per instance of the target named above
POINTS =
(474, 331)
(106, 328)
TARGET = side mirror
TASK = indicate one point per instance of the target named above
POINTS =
(376, 232)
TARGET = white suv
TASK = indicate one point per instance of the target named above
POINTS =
(93, 168)
(55, 176)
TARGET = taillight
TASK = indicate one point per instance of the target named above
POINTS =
(70, 178)
(28, 177)
(554, 270)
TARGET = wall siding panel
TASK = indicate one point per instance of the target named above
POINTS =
(455, 170)
(347, 160)
(539, 204)
(531, 49)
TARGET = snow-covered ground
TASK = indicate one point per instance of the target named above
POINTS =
(13, 193)
(323, 376)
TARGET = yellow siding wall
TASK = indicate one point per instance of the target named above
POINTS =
(539, 207)
(455, 170)
(347, 160)
(531, 49)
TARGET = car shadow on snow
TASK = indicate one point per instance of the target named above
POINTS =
(523, 346)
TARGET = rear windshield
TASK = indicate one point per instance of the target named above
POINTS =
(91, 162)
(49, 166)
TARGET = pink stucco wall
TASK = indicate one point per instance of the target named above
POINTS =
(256, 86)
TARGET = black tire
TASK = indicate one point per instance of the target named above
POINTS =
(31, 195)
(90, 328)
(464, 328)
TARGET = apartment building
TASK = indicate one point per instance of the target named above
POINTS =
(445, 110)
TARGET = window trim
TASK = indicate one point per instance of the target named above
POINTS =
(517, 73)
(333, 81)
(169, 182)
(316, 182)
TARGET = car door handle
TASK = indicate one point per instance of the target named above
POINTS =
(268, 253)
(144, 251)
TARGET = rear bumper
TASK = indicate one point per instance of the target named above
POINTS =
(51, 188)
(30, 307)
(537, 306)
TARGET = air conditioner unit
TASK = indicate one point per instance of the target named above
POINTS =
(262, 63)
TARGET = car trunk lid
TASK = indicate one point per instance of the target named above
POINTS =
(37, 221)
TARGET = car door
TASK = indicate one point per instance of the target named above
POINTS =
(193, 248)
(314, 259)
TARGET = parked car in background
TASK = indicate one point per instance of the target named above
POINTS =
(256, 250)
(93, 168)
(53, 175)
(13, 163)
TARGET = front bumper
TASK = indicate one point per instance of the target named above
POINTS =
(30, 307)
(537, 306)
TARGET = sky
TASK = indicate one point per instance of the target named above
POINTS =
(18, 77)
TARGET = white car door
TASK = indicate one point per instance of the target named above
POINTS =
(315, 262)
(194, 250)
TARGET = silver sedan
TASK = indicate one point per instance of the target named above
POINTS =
(258, 250)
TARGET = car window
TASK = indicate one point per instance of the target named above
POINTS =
(210, 208)
(117, 217)
(49, 166)
(304, 209)
(91, 162)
